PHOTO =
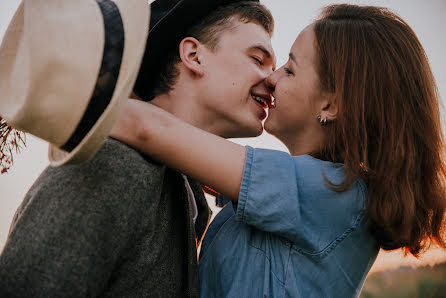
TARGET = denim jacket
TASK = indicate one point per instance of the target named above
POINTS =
(291, 235)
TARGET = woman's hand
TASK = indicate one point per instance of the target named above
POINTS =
(208, 158)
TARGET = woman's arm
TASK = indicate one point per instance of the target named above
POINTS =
(210, 159)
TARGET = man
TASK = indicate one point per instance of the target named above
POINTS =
(122, 224)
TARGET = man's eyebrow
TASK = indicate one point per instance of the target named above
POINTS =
(261, 48)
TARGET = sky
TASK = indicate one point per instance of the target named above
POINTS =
(427, 18)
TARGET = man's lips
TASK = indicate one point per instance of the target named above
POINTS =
(262, 112)
(262, 107)
(265, 100)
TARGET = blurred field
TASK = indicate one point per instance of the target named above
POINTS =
(396, 276)
(407, 282)
(395, 259)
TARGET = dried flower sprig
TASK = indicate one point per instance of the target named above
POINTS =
(11, 142)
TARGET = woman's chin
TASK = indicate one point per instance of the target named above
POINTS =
(269, 127)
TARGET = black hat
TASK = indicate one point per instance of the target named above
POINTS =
(169, 22)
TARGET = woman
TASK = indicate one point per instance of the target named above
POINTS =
(357, 107)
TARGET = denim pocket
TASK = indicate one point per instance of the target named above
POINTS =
(275, 250)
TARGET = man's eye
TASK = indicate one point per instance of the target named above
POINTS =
(288, 71)
(258, 60)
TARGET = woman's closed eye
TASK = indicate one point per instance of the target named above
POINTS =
(288, 71)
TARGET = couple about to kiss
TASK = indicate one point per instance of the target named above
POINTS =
(355, 104)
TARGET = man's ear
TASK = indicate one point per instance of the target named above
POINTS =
(329, 107)
(190, 54)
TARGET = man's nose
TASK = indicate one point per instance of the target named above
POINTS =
(270, 82)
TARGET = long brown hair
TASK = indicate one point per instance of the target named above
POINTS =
(388, 129)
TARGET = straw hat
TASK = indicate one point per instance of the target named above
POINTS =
(66, 67)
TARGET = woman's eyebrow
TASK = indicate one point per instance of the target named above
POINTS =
(292, 58)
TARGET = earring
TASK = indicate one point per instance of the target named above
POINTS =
(322, 121)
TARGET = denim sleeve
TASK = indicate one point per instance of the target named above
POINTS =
(287, 195)
(268, 197)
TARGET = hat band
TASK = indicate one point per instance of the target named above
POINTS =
(108, 74)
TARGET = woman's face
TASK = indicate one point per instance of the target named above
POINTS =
(296, 91)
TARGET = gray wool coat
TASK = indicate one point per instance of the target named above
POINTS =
(118, 225)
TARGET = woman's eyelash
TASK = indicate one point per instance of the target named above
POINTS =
(288, 71)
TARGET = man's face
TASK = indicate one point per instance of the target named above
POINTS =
(234, 93)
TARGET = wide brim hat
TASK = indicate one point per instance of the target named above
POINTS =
(169, 23)
(66, 68)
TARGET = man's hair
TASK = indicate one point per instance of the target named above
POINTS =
(209, 31)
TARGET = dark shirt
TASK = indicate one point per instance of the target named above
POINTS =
(118, 225)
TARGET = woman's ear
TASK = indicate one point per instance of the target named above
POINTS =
(190, 54)
(329, 107)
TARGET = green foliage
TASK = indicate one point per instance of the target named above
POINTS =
(407, 282)
(11, 142)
